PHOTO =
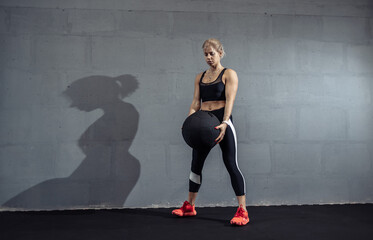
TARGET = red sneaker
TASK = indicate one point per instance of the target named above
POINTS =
(241, 217)
(187, 210)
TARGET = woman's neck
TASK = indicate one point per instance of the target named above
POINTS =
(216, 68)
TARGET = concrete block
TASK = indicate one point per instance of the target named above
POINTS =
(82, 21)
(296, 159)
(336, 190)
(277, 55)
(285, 88)
(333, 8)
(197, 51)
(194, 23)
(24, 89)
(349, 8)
(282, 55)
(10, 188)
(346, 159)
(361, 189)
(320, 57)
(323, 190)
(157, 91)
(328, 89)
(38, 21)
(159, 59)
(239, 118)
(27, 161)
(254, 158)
(311, 88)
(276, 190)
(214, 170)
(180, 86)
(254, 89)
(360, 123)
(312, 9)
(345, 29)
(4, 20)
(150, 23)
(118, 53)
(7, 191)
(52, 194)
(60, 52)
(237, 54)
(97, 164)
(15, 126)
(179, 163)
(348, 89)
(259, 57)
(46, 88)
(243, 25)
(162, 123)
(68, 158)
(153, 159)
(14, 89)
(299, 27)
(332, 89)
(73, 123)
(45, 124)
(271, 123)
(322, 124)
(360, 58)
(306, 88)
(15, 52)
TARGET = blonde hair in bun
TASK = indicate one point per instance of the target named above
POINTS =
(216, 44)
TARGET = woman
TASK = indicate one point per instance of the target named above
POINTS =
(216, 88)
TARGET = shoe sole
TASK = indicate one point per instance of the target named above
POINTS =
(186, 214)
(240, 223)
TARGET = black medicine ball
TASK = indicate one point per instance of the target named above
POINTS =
(199, 130)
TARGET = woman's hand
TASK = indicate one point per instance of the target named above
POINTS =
(223, 128)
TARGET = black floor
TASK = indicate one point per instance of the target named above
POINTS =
(280, 222)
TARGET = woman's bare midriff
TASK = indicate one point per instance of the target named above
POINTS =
(212, 105)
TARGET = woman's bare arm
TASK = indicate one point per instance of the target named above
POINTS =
(196, 103)
(231, 86)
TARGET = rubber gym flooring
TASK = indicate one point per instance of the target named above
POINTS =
(316, 222)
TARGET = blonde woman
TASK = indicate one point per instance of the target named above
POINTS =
(215, 91)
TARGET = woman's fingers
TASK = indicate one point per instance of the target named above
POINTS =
(222, 132)
(220, 137)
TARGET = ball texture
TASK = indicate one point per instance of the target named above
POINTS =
(199, 130)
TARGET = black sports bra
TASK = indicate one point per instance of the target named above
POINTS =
(213, 91)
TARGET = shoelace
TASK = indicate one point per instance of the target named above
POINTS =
(184, 206)
(240, 213)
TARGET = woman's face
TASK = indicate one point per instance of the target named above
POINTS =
(212, 57)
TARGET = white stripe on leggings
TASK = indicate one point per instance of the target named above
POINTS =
(195, 178)
(229, 122)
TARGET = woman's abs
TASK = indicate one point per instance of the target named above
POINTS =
(212, 105)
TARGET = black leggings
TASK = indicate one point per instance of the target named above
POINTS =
(228, 147)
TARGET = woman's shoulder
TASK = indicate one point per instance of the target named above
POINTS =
(199, 75)
(230, 71)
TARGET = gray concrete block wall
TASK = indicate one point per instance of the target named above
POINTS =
(303, 111)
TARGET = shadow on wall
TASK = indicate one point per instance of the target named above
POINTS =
(109, 172)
